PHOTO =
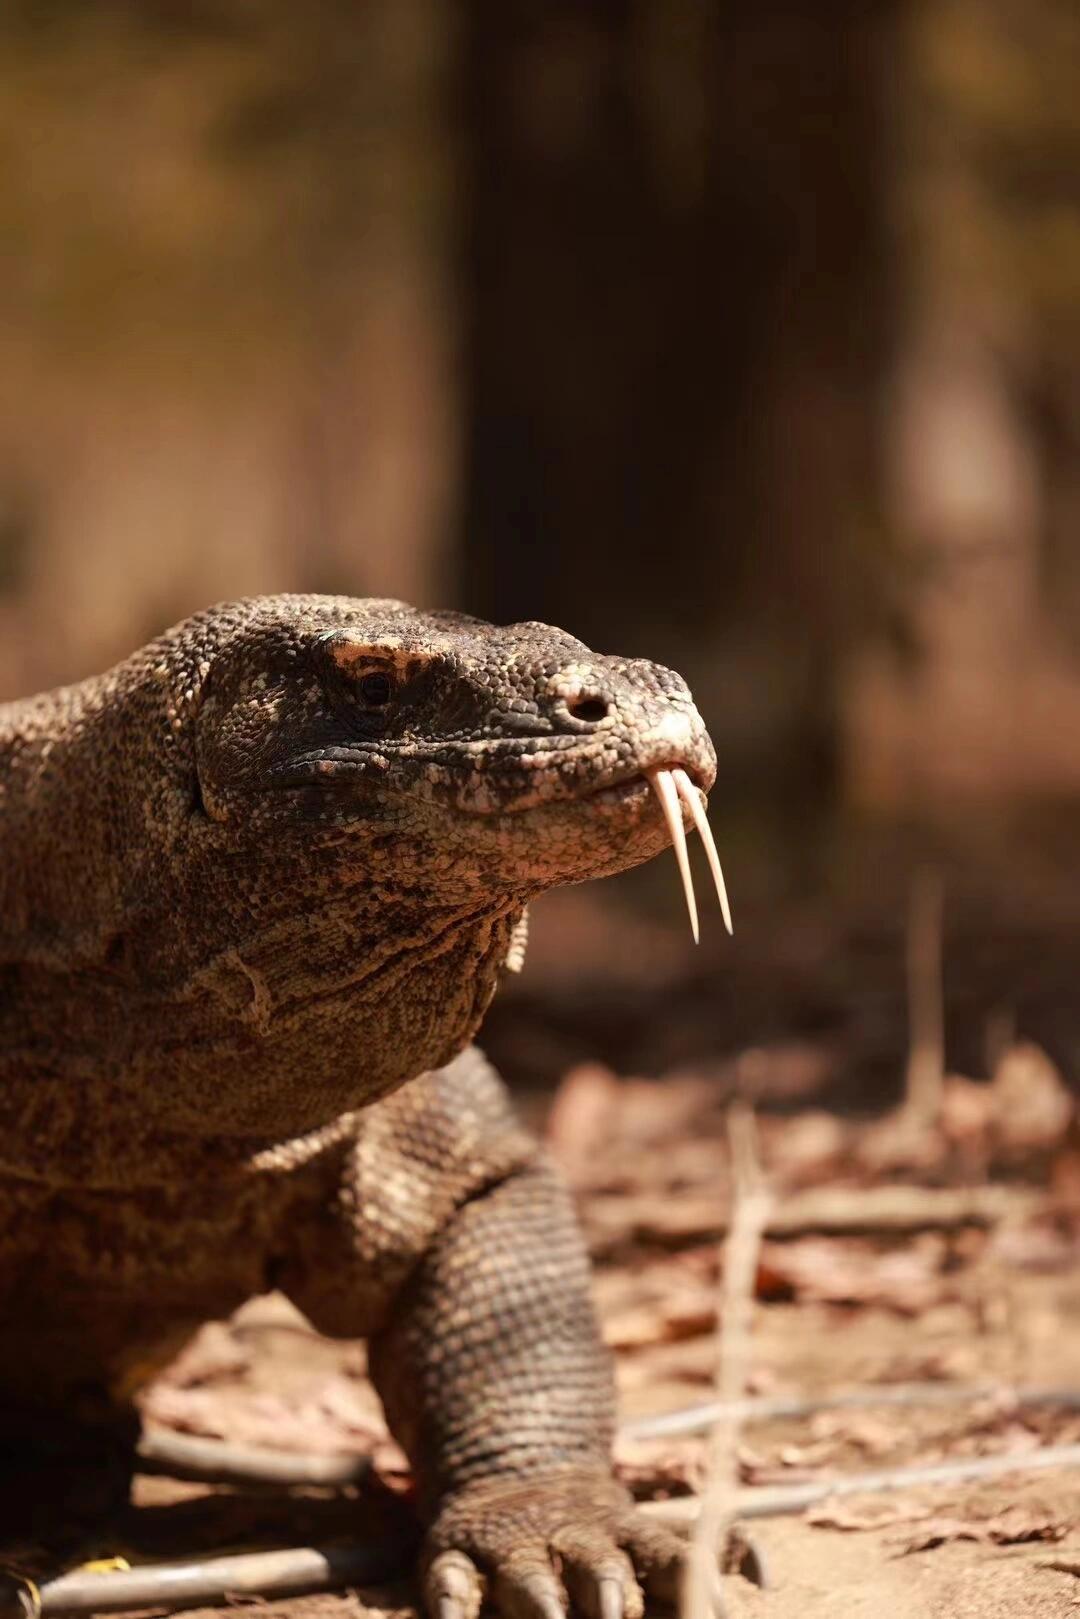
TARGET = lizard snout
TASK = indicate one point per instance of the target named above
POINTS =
(647, 732)
(633, 715)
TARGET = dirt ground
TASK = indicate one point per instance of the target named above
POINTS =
(934, 1258)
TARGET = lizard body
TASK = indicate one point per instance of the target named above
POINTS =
(257, 886)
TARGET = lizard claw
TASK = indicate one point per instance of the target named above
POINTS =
(743, 1555)
(529, 1589)
(452, 1587)
(610, 1598)
(657, 1553)
(599, 1576)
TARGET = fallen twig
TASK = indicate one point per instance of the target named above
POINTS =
(697, 1418)
(779, 1500)
(217, 1462)
(703, 1593)
(617, 1218)
(300, 1569)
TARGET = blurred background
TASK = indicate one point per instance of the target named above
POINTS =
(740, 334)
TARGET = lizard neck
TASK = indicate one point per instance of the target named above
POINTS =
(264, 1040)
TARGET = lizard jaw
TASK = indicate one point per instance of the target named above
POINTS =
(675, 787)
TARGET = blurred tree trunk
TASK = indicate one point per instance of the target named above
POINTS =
(679, 294)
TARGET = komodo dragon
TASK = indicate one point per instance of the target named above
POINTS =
(257, 886)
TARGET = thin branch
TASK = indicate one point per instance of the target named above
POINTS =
(618, 1218)
(774, 1501)
(702, 1594)
(300, 1569)
(697, 1418)
(215, 1461)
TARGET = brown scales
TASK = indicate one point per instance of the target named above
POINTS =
(257, 886)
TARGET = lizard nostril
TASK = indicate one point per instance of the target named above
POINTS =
(588, 707)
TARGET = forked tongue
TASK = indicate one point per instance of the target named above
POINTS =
(674, 788)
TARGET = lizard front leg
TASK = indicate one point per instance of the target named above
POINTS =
(465, 1269)
(496, 1382)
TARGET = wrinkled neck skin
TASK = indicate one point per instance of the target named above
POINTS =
(177, 994)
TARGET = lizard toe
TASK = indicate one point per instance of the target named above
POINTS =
(453, 1587)
(658, 1555)
(599, 1576)
(527, 1587)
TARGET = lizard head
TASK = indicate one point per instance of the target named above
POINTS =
(332, 815)
(511, 757)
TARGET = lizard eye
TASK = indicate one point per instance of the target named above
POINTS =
(376, 688)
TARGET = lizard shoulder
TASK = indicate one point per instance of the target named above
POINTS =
(420, 1153)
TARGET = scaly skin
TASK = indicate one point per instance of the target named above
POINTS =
(257, 885)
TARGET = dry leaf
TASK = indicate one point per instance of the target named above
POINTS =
(1014, 1527)
(582, 1113)
(214, 1352)
(805, 1149)
(1033, 1106)
(845, 1271)
(882, 1515)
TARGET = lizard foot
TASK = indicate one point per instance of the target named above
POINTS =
(537, 1546)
